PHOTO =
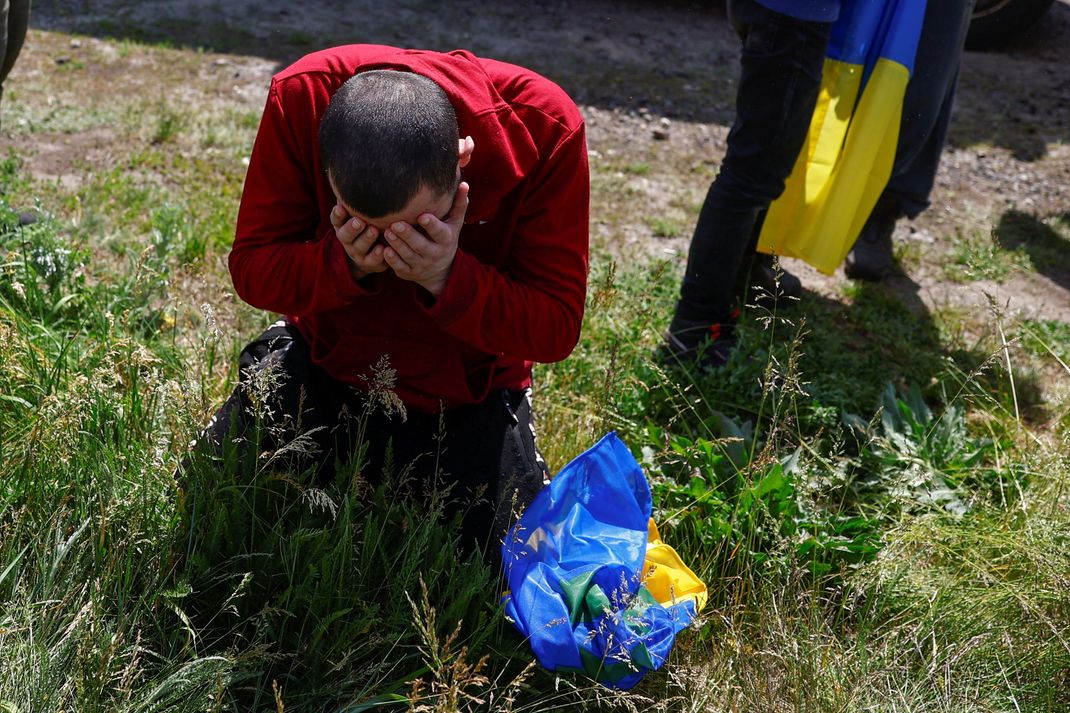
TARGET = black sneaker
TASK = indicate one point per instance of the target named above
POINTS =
(871, 255)
(701, 344)
(767, 282)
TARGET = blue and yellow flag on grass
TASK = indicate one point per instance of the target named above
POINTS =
(849, 152)
(591, 584)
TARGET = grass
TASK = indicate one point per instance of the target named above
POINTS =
(1043, 239)
(980, 256)
(880, 510)
(1046, 337)
(665, 227)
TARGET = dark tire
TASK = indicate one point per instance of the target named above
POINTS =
(997, 22)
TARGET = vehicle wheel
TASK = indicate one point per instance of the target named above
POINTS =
(996, 22)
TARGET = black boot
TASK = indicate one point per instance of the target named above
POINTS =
(702, 344)
(871, 256)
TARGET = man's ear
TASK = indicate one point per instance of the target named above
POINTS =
(465, 147)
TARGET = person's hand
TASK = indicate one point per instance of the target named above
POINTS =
(359, 241)
(424, 253)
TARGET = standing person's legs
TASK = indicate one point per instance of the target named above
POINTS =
(781, 65)
(16, 19)
(5, 18)
(927, 106)
(928, 103)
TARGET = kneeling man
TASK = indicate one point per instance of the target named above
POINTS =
(420, 222)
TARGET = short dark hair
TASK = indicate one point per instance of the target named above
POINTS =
(386, 134)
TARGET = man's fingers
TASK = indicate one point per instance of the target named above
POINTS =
(414, 237)
(374, 260)
(356, 225)
(338, 216)
(406, 242)
(395, 262)
(364, 241)
(347, 227)
(439, 230)
(460, 204)
(358, 239)
(349, 230)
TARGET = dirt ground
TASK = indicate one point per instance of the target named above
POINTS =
(655, 81)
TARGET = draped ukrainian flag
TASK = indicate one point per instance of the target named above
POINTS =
(847, 159)
(591, 584)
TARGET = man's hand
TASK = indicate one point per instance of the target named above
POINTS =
(358, 239)
(424, 254)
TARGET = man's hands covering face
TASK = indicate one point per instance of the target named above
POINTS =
(424, 254)
(358, 239)
(420, 253)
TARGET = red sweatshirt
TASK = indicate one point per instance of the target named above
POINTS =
(516, 290)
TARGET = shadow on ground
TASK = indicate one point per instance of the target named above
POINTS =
(884, 333)
(1018, 98)
(1047, 249)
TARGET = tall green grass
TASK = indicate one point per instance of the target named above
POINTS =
(868, 545)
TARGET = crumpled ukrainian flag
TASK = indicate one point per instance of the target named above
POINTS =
(591, 584)
(849, 152)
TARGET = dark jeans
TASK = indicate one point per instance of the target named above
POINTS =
(485, 452)
(927, 104)
(780, 77)
(14, 19)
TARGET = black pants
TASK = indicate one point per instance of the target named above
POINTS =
(306, 421)
(778, 86)
(928, 102)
